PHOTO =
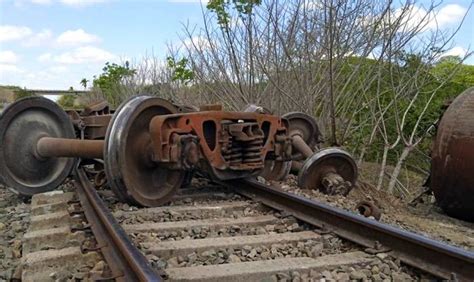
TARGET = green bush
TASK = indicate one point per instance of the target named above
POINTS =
(67, 101)
(22, 93)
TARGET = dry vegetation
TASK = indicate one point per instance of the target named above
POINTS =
(6, 95)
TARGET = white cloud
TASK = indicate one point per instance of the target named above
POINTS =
(431, 20)
(7, 68)
(76, 37)
(8, 57)
(449, 14)
(12, 32)
(199, 41)
(45, 57)
(456, 51)
(24, 3)
(81, 3)
(72, 3)
(41, 2)
(41, 38)
(58, 69)
(7, 71)
(87, 54)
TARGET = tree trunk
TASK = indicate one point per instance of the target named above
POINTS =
(382, 166)
(398, 167)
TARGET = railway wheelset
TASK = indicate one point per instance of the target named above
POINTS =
(149, 147)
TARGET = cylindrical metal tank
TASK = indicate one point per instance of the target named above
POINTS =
(452, 164)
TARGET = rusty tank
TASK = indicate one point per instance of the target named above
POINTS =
(452, 167)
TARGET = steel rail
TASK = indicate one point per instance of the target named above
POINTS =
(124, 259)
(437, 258)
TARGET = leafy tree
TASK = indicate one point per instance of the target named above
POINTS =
(180, 70)
(221, 9)
(109, 82)
(84, 83)
(463, 74)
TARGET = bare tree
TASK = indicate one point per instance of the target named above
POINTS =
(346, 62)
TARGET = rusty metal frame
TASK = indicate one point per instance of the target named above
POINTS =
(163, 127)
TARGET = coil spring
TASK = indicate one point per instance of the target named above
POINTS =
(251, 151)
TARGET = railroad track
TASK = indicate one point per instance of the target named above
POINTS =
(245, 230)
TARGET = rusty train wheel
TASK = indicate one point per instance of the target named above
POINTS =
(22, 124)
(130, 172)
(276, 170)
(332, 160)
(305, 126)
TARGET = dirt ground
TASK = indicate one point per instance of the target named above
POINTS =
(422, 216)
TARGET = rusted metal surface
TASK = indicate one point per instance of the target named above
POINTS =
(233, 144)
(300, 145)
(434, 257)
(22, 124)
(369, 209)
(70, 148)
(131, 173)
(296, 166)
(124, 259)
(274, 170)
(98, 108)
(452, 165)
(332, 171)
(92, 122)
(95, 127)
(303, 127)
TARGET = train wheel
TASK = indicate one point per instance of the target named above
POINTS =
(22, 124)
(131, 174)
(329, 162)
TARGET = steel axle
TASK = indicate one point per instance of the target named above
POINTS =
(48, 147)
(300, 145)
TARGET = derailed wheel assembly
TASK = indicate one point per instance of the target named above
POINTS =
(333, 171)
(305, 136)
(151, 147)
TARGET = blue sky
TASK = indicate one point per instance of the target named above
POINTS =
(53, 44)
